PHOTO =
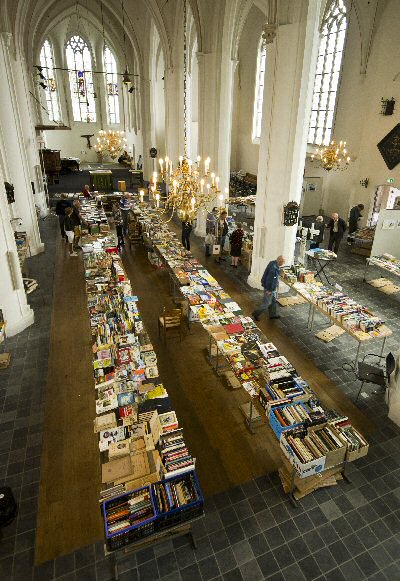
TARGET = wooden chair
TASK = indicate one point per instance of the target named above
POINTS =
(170, 319)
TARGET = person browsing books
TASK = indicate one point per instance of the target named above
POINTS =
(270, 281)
(69, 226)
(318, 238)
(236, 240)
(222, 232)
(125, 206)
(186, 231)
(211, 229)
(337, 227)
(61, 206)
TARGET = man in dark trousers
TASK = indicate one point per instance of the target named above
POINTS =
(186, 231)
(337, 227)
(60, 211)
(355, 215)
(269, 281)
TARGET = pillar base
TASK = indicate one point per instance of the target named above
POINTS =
(254, 282)
(34, 250)
(14, 327)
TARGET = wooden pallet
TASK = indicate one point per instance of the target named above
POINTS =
(329, 334)
(290, 301)
(305, 486)
(384, 285)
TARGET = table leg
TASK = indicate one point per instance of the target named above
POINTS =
(365, 271)
(309, 316)
(291, 492)
(209, 349)
(357, 355)
(312, 318)
(383, 346)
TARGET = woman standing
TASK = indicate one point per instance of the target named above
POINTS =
(236, 239)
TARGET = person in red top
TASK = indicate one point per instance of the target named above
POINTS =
(236, 240)
(86, 192)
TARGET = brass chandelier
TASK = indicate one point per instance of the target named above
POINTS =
(189, 186)
(333, 156)
(110, 142)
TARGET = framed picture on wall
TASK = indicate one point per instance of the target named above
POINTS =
(389, 147)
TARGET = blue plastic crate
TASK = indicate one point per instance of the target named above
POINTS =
(276, 426)
(137, 531)
(183, 513)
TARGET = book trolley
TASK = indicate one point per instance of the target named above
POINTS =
(315, 443)
(150, 490)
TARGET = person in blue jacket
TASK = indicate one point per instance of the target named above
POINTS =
(269, 281)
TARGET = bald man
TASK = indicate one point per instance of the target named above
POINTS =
(337, 228)
(269, 281)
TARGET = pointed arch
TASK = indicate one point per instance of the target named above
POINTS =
(49, 84)
(79, 63)
(327, 77)
(259, 90)
(111, 81)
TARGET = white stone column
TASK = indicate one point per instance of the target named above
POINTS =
(16, 164)
(216, 75)
(13, 303)
(290, 70)
(209, 94)
(146, 129)
(27, 118)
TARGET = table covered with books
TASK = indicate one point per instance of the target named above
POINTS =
(389, 264)
(149, 484)
(314, 441)
(355, 319)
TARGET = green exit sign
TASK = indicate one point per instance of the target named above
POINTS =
(390, 180)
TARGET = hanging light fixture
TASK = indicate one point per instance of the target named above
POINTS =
(190, 186)
(110, 142)
(332, 157)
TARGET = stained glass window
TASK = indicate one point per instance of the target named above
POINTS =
(51, 94)
(328, 73)
(79, 63)
(111, 78)
(259, 90)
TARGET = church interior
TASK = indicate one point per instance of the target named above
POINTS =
(199, 292)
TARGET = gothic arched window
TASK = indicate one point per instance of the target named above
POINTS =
(79, 63)
(259, 91)
(328, 73)
(110, 67)
(50, 90)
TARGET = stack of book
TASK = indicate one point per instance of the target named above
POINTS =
(129, 510)
(174, 453)
(175, 493)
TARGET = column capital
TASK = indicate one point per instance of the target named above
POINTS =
(269, 33)
(6, 38)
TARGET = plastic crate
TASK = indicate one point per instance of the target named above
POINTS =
(276, 426)
(133, 533)
(183, 513)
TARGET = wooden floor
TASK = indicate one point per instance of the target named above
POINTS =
(227, 454)
(68, 512)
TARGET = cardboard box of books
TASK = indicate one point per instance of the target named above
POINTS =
(356, 445)
(304, 469)
(334, 447)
